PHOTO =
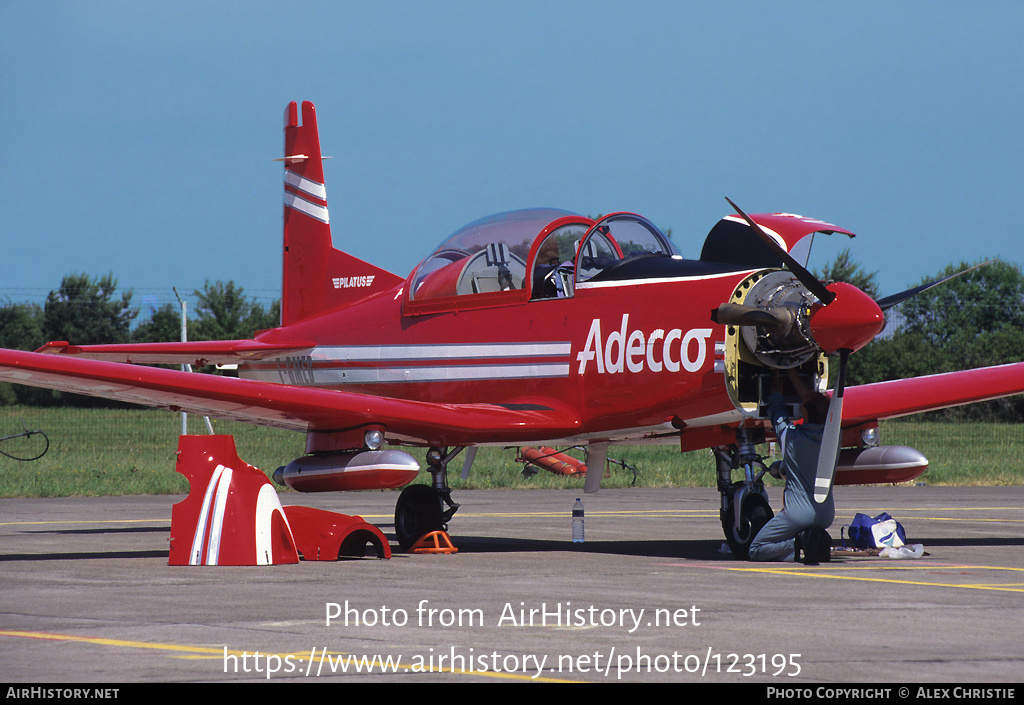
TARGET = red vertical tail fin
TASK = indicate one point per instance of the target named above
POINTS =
(316, 277)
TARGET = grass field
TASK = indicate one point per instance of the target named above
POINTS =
(110, 452)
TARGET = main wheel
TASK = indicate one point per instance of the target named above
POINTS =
(754, 514)
(417, 513)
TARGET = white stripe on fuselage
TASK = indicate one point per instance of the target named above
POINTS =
(361, 353)
(385, 375)
(329, 365)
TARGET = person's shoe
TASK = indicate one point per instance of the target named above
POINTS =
(824, 545)
(816, 545)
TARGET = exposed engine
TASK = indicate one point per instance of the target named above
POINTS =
(767, 328)
(784, 341)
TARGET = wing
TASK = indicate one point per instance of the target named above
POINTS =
(286, 406)
(884, 400)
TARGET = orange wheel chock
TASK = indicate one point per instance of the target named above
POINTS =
(434, 542)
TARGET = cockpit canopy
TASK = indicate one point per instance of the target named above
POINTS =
(487, 255)
(543, 251)
(548, 253)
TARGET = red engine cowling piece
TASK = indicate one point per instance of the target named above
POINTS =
(321, 535)
(232, 515)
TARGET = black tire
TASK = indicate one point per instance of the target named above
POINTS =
(417, 513)
(755, 513)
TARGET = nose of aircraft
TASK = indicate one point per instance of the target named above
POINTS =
(850, 322)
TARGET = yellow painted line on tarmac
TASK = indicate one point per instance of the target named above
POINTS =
(195, 650)
(934, 512)
(602, 512)
(827, 574)
(82, 521)
(996, 520)
(680, 512)
(941, 509)
(552, 513)
(654, 513)
(205, 652)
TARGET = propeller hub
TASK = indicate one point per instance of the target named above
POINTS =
(850, 322)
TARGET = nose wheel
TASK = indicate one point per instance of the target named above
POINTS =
(421, 508)
(745, 509)
(417, 513)
(744, 515)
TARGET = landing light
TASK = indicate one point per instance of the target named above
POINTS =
(869, 436)
(373, 439)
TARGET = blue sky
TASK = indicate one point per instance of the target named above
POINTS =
(139, 137)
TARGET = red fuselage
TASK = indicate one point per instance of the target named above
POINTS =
(635, 357)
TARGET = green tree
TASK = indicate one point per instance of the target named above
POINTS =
(87, 311)
(845, 269)
(83, 311)
(975, 320)
(164, 326)
(21, 326)
(270, 317)
(224, 312)
(986, 300)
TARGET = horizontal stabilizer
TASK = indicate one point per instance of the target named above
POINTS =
(199, 354)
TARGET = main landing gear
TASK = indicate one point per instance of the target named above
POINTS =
(421, 508)
(745, 507)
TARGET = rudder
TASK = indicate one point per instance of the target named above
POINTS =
(316, 277)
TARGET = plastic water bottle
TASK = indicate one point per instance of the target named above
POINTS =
(915, 551)
(577, 521)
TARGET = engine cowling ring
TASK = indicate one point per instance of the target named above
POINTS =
(779, 290)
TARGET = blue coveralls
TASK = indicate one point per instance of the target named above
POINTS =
(801, 444)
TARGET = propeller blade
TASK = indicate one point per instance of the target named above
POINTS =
(830, 438)
(806, 278)
(890, 301)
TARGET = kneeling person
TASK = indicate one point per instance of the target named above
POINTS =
(798, 532)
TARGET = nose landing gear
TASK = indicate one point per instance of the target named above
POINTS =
(745, 507)
(420, 508)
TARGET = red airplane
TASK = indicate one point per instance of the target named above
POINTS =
(533, 327)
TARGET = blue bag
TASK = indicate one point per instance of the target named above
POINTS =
(877, 532)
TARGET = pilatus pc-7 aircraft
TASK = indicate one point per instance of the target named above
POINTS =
(529, 327)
